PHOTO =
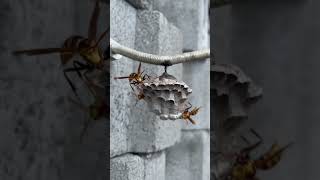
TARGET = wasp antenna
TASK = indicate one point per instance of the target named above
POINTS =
(121, 77)
(189, 103)
(139, 68)
(101, 37)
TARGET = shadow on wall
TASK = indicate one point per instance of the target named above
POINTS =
(276, 43)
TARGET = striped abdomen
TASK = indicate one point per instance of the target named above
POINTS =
(72, 43)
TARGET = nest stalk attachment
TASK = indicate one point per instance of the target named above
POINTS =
(117, 50)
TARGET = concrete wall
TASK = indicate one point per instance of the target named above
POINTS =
(141, 145)
(277, 44)
(40, 128)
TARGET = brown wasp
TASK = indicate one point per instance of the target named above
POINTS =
(186, 114)
(88, 48)
(135, 78)
(245, 168)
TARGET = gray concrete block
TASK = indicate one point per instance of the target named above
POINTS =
(155, 35)
(141, 4)
(147, 132)
(189, 159)
(155, 168)
(197, 76)
(138, 167)
(191, 17)
(127, 167)
(133, 128)
(122, 29)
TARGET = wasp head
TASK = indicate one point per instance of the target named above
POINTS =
(90, 53)
(133, 76)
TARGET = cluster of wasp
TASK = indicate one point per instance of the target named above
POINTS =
(243, 166)
(93, 62)
(136, 79)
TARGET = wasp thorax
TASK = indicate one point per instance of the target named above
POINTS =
(166, 96)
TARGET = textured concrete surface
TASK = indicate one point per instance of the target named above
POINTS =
(135, 130)
(191, 17)
(154, 35)
(277, 44)
(40, 127)
(138, 167)
(122, 29)
(141, 131)
(127, 167)
(197, 76)
(190, 158)
(154, 165)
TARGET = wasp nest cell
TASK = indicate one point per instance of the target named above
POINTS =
(166, 96)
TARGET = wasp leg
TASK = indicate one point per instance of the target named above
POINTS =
(78, 71)
(135, 83)
(256, 134)
(245, 140)
(131, 87)
(81, 66)
(251, 147)
(84, 77)
(85, 129)
(73, 88)
(188, 107)
(144, 77)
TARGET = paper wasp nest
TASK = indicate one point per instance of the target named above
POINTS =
(235, 92)
(166, 96)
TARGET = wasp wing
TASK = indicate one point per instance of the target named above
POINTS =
(271, 157)
(92, 31)
(31, 52)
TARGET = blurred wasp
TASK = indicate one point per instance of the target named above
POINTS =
(135, 78)
(186, 114)
(88, 48)
(245, 168)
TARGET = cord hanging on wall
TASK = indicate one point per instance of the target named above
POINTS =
(117, 51)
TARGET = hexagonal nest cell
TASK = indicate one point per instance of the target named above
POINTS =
(166, 96)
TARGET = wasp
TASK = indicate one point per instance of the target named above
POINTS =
(87, 47)
(245, 168)
(135, 78)
(186, 114)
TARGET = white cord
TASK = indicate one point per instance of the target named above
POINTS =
(118, 49)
